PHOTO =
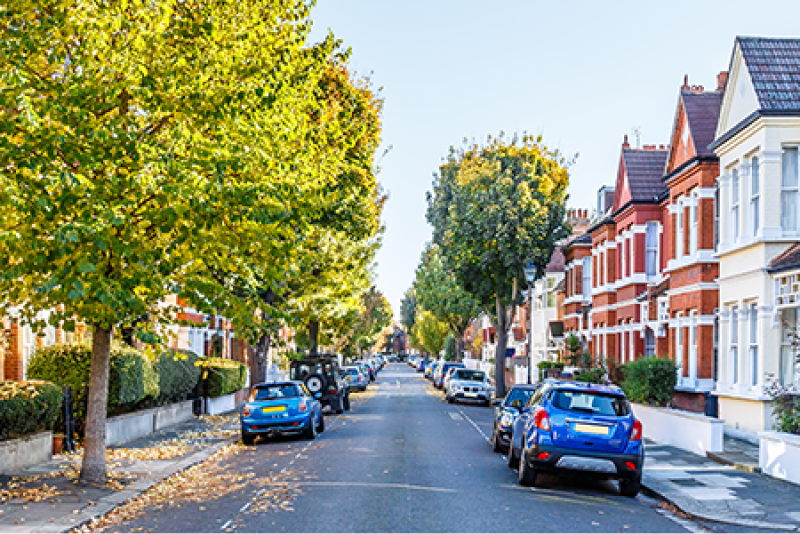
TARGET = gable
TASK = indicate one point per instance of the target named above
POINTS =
(622, 191)
(740, 99)
(682, 146)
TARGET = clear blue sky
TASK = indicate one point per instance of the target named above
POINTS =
(582, 73)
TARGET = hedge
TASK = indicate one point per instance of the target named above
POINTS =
(178, 374)
(132, 380)
(28, 407)
(650, 380)
(222, 376)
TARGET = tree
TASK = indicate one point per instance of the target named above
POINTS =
(494, 209)
(430, 332)
(439, 292)
(408, 309)
(132, 166)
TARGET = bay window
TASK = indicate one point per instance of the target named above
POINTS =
(735, 206)
(754, 196)
(789, 185)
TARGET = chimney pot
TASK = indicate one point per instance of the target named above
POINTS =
(685, 81)
(625, 141)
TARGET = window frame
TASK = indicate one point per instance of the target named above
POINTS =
(735, 234)
(755, 196)
(651, 247)
(752, 352)
(790, 190)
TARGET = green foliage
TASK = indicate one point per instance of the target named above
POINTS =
(365, 327)
(575, 353)
(430, 332)
(785, 403)
(408, 309)
(177, 376)
(544, 365)
(438, 291)
(593, 376)
(650, 380)
(133, 381)
(450, 348)
(222, 376)
(28, 407)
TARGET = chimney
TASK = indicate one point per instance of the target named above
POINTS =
(722, 80)
(685, 82)
(625, 142)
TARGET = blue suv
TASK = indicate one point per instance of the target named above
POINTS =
(578, 427)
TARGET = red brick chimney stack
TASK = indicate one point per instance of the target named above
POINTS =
(625, 142)
(722, 80)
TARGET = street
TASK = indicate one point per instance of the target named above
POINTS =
(402, 460)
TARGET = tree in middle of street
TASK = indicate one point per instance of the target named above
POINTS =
(495, 209)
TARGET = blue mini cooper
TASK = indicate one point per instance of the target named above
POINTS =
(281, 408)
(578, 427)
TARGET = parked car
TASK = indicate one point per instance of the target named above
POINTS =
(421, 365)
(468, 384)
(322, 379)
(355, 377)
(281, 408)
(432, 369)
(507, 412)
(440, 373)
(578, 427)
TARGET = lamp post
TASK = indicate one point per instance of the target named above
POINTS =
(530, 275)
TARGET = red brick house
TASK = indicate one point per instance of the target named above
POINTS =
(692, 295)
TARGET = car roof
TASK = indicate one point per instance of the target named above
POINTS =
(264, 385)
(531, 387)
(586, 386)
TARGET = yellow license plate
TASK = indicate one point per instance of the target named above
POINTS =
(273, 409)
(599, 430)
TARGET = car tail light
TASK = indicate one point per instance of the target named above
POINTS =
(246, 411)
(636, 431)
(303, 406)
(630, 465)
(542, 421)
(543, 456)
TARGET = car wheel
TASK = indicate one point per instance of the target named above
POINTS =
(488, 403)
(321, 427)
(248, 438)
(513, 459)
(347, 402)
(629, 487)
(339, 406)
(527, 474)
(311, 430)
(496, 445)
(450, 399)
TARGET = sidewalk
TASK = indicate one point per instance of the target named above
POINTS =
(710, 490)
(49, 498)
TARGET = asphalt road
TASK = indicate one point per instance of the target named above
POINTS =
(403, 460)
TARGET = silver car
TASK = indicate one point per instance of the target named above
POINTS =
(469, 384)
(355, 377)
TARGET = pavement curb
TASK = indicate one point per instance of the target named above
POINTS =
(110, 502)
(738, 465)
(691, 508)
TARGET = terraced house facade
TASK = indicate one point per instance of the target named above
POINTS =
(698, 257)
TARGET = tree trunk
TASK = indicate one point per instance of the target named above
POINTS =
(259, 367)
(313, 335)
(94, 452)
(500, 352)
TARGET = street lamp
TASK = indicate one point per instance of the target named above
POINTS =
(530, 275)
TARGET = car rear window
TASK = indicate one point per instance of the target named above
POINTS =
(591, 402)
(351, 372)
(519, 394)
(282, 391)
(469, 374)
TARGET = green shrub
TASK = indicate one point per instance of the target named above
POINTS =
(558, 365)
(132, 380)
(544, 365)
(593, 376)
(650, 380)
(177, 374)
(28, 407)
(222, 376)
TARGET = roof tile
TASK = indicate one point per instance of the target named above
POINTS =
(645, 168)
(774, 66)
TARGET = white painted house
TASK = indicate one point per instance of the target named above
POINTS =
(757, 140)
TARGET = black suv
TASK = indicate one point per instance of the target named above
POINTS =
(323, 380)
